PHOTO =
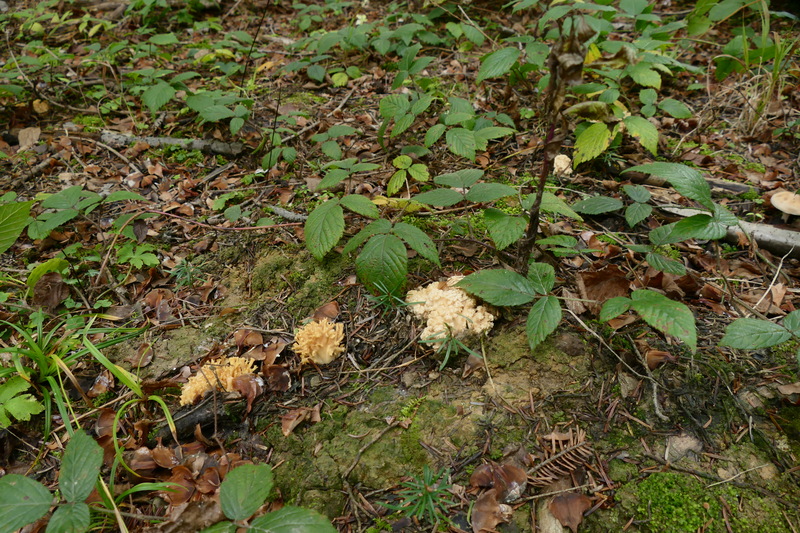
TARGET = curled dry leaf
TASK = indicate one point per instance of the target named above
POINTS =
(656, 357)
(102, 384)
(49, 291)
(141, 461)
(246, 337)
(569, 508)
(329, 310)
(508, 480)
(273, 349)
(184, 486)
(488, 512)
(163, 456)
(249, 386)
(277, 378)
(293, 418)
(142, 357)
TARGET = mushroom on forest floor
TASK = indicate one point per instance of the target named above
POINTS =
(787, 203)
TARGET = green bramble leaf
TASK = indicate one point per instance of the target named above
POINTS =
(597, 205)
(552, 204)
(323, 228)
(499, 287)
(291, 519)
(461, 142)
(156, 96)
(13, 219)
(383, 263)
(613, 307)
(591, 142)
(419, 172)
(686, 180)
(675, 108)
(361, 205)
(418, 240)
(434, 134)
(666, 315)
(543, 319)
(373, 228)
(542, 276)
(70, 518)
(637, 193)
(244, 490)
(753, 334)
(22, 502)
(665, 264)
(461, 179)
(439, 197)
(636, 212)
(504, 229)
(497, 63)
(80, 468)
(642, 130)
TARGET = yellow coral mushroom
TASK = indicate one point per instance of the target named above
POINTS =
(319, 341)
(447, 308)
(217, 374)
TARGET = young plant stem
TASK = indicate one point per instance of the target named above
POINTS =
(526, 246)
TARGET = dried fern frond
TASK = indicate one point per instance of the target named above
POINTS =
(562, 454)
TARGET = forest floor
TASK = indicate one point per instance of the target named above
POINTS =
(615, 425)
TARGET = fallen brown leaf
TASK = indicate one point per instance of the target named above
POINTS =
(569, 508)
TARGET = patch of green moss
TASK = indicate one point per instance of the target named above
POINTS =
(675, 503)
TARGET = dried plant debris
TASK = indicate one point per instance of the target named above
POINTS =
(508, 480)
(569, 508)
(488, 512)
(562, 454)
(448, 309)
(319, 342)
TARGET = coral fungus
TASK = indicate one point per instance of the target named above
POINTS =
(217, 374)
(449, 309)
(319, 341)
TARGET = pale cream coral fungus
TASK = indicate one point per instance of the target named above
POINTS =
(562, 165)
(217, 374)
(448, 309)
(319, 341)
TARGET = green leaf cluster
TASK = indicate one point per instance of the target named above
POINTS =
(756, 333)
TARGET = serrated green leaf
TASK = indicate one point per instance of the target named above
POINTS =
(333, 178)
(221, 527)
(13, 404)
(488, 133)
(396, 182)
(331, 149)
(472, 33)
(13, 219)
(65, 199)
(686, 180)
(156, 96)
(644, 74)
(637, 193)
(340, 79)
(292, 520)
(361, 205)
(666, 315)
(497, 63)
(597, 205)
(553, 204)
(244, 490)
(419, 172)
(504, 229)
(421, 104)
(215, 113)
(643, 131)
(323, 228)
(461, 179)
(401, 124)
(69, 518)
(489, 192)
(543, 319)
(753, 334)
(163, 39)
(461, 142)
(373, 228)
(637, 212)
(665, 264)
(393, 105)
(22, 502)
(434, 134)
(439, 197)
(675, 108)
(542, 276)
(591, 142)
(402, 162)
(316, 73)
(417, 240)
(80, 467)
(648, 96)
(613, 307)
(383, 263)
(792, 322)
(499, 287)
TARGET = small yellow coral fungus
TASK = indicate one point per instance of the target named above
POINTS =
(319, 341)
(216, 374)
(562, 165)
(448, 309)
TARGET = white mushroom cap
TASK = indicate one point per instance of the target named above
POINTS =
(787, 202)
